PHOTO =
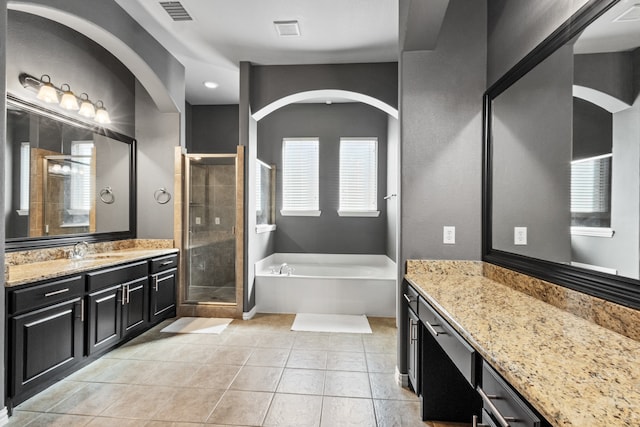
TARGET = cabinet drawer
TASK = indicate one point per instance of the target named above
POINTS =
(164, 263)
(34, 297)
(461, 354)
(411, 298)
(500, 401)
(111, 276)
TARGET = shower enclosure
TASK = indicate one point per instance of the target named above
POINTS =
(213, 238)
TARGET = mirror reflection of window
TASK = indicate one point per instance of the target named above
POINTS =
(591, 191)
(81, 152)
(25, 171)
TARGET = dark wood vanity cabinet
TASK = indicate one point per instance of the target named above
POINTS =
(45, 334)
(117, 304)
(164, 278)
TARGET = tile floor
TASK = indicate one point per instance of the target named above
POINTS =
(256, 373)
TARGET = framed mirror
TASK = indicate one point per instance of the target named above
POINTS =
(561, 183)
(65, 180)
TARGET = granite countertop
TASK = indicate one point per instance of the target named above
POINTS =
(574, 372)
(31, 272)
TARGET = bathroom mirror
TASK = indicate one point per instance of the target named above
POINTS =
(562, 157)
(64, 180)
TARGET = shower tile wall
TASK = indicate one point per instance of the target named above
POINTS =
(212, 218)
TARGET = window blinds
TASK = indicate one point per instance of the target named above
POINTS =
(300, 174)
(358, 174)
(591, 185)
(25, 156)
(81, 177)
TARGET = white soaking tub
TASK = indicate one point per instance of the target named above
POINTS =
(327, 284)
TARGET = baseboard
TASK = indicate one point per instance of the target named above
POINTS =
(402, 379)
(4, 416)
(248, 315)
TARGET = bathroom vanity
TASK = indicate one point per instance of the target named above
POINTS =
(483, 351)
(63, 313)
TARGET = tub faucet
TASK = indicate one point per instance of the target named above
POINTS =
(284, 266)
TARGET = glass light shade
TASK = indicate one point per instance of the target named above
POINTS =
(69, 101)
(87, 109)
(48, 93)
(102, 116)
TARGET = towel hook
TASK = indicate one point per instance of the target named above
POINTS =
(162, 196)
(106, 195)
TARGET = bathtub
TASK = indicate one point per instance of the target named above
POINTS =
(327, 284)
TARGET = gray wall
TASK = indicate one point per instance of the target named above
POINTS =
(157, 134)
(327, 233)
(515, 27)
(592, 130)
(611, 73)
(3, 115)
(213, 129)
(532, 125)
(272, 82)
(39, 46)
(112, 170)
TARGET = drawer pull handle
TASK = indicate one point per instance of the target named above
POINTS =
(431, 329)
(409, 299)
(166, 263)
(504, 421)
(414, 331)
(58, 292)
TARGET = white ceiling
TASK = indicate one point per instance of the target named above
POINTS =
(606, 34)
(225, 32)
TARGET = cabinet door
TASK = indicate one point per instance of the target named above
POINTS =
(413, 334)
(104, 308)
(163, 295)
(136, 308)
(47, 342)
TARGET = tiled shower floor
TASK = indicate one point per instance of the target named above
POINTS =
(256, 373)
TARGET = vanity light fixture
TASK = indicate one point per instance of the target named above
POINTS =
(51, 94)
(68, 100)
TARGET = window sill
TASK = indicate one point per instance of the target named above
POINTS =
(592, 231)
(300, 213)
(23, 212)
(359, 213)
(265, 228)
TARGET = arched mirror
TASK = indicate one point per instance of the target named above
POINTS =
(562, 157)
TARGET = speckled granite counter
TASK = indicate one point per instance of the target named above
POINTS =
(22, 268)
(574, 372)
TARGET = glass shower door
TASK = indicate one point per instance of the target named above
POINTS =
(210, 229)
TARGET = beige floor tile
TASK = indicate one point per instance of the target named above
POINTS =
(317, 341)
(159, 350)
(92, 399)
(273, 340)
(347, 384)
(22, 418)
(50, 397)
(214, 376)
(126, 372)
(173, 424)
(293, 410)
(384, 386)
(60, 420)
(232, 355)
(111, 422)
(95, 369)
(381, 362)
(190, 405)
(383, 326)
(276, 357)
(247, 408)
(170, 374)
(140, 402)
(302, 381)
(376, 344)
(347, 411)
(397, 413)
(346, 361)
(346, 342)
(257, 378)
(307, 359)
(193, 353)
(242, 339)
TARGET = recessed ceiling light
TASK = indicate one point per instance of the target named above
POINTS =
(211, 85)
(287, 28)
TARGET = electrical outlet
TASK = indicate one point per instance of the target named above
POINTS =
(449, 235)
(520, 236)
(217, 220)
(198, 220)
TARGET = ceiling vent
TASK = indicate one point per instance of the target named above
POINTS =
(176, 11)
(631, 14)
(287, 28)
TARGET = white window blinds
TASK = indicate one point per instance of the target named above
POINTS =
(25, 156)
(81, 152)
(358, 176)
(300, 176)
(590, 185)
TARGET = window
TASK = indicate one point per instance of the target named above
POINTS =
(358, 177)
(80, 184)
(591, 192)
(300, 177)
(25, 156)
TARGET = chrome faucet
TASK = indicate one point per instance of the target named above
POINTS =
(284, 266)
(80, 249)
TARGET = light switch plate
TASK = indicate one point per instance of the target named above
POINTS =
(449, 235)
(520, 236)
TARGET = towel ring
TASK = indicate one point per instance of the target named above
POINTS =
(106, 195)
(162, 196)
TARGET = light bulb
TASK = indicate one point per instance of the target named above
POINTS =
(47, 92)
(102, 116)
(86, 107)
